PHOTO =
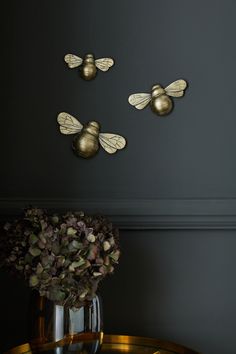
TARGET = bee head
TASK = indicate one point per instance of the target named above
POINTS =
(89, 58)
(93, 128)
(157, 90)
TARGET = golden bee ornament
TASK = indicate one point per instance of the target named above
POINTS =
(89, 64)
(159, 99)
(88, 137)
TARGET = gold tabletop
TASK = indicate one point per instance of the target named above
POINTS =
(111, 344)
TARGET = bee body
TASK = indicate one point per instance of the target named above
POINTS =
(86, 143)
(88, 70)
(160, 103)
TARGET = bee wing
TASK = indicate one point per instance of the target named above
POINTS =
(73, 61)
(111, 142)
(140, 100)
(68, 123)
(104, 63)
(176, 89)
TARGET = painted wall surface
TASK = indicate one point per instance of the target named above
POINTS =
(177, 173)
(172, 285)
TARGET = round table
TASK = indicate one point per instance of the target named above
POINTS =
(111, 344)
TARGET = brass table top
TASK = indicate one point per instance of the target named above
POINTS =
(111, 344)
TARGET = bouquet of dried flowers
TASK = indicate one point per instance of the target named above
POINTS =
(63, 257)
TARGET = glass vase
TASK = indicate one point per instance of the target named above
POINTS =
(65, 329)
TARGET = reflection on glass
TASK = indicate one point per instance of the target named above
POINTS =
(79, 329)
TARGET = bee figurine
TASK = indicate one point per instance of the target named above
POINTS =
(88, 138)
(89, 66)
(161, 103)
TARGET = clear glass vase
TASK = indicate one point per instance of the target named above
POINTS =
(65, 329)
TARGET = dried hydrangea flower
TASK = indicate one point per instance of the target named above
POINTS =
(64, 257)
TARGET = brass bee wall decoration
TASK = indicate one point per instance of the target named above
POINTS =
(88, 137)
(88, 65)
(159, 99)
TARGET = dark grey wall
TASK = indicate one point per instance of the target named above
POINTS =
(175, 285)
(176, 173)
